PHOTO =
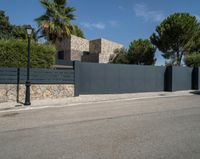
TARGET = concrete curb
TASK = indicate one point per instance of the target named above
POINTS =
(89, 99)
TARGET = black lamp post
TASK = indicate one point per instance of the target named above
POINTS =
(28, 83)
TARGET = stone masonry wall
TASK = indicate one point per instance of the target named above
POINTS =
(95, 46)
(78, 46)
(65, 46)
(90, 58)
(104, 48)
(75, 47)
(107, 49)
(8, 92)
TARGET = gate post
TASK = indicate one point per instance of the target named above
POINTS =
(195, 78)
(168, 79)
(76, 78)
(18, 83)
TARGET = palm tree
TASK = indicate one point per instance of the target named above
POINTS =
(78, 32)
(55, 24)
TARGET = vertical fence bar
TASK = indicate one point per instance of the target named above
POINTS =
(18, 83)
(77, 78)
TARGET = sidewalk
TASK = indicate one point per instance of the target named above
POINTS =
(84, 99)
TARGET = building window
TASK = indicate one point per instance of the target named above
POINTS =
(86, 52)
(61, 55)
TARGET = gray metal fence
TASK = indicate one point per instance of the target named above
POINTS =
(109, 78)
(95, 78)
(37, 76)
(181, 78)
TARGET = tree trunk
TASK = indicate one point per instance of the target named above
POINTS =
(181, 56)
(178, 58)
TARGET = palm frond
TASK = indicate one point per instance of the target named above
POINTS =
(56, 22)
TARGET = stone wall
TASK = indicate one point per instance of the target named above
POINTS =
(107, 49)
(90, 58)
(76, 55)
(75, 47)
(78, 46)
(95, 46)
(8, 92)
(65, 46)
(104, 48)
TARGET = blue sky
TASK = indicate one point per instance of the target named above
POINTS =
(119, 20)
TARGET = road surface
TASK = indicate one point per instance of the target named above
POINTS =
(160, 128)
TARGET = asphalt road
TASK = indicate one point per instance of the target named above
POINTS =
(160, 128)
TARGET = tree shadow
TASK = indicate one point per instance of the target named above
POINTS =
(195, 92)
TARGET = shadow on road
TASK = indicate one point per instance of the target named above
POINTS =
(9, 115)
(195, 92)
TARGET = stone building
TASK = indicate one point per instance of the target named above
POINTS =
(75, 48)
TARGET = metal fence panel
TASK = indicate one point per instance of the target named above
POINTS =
(109, 78)
(37, 76)
(8, 75)
(181, 78)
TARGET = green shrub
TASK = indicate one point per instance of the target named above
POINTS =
(13, 53)
(119, 57)
(193, 60)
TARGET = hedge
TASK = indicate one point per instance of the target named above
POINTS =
(13, 53)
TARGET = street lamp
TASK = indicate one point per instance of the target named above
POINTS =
(28, 83)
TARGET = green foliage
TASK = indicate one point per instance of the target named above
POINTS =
(19, 32)
(5, 27)
(55, 24)
(192, 60)
(141, 52)
(173, 34)
(78, 32)
(9, 31)
(13, 53)
(193, 44)
(119, 57)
